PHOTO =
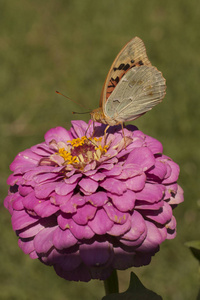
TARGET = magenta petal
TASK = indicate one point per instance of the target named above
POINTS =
(101, 223)
(79, 127)
(114, 214)
(30, 231)
(120, 229)
(25, 190)
(162, 216)
(21, 219)
(136, 183)
(78, 273)
(97, 176)
(88, 185)
(97, 199)
(70, 205)
(143, 205)
(122, 259)
(178, 198)
(81, 232)
(153, 239)
(154, 145)
(130, 170)
(151, 193)
(26, 246)
(63, 188)
(138, 227)
(159, 170)
(43, 240)
(174, 172)
(63, 239)
(142, 157)
(17, 202)
(30, 201)
(116, 170)
(58, 134)
(114, 186)
(84, 214)
(96, 254)
(45, 209)
(171, 224)
(60, 199)
(171, 189)
(65, 262)
(24, 161)
(44, 190)
(123, 202)
(14, 179)
(73, 178)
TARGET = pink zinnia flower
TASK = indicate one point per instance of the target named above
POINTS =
(91, 205)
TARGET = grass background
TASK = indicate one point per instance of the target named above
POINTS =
(69, 46)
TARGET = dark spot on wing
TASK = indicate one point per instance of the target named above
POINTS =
(122, 67)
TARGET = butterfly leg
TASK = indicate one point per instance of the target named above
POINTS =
(105, 131)
(87, 130)
(122, 125)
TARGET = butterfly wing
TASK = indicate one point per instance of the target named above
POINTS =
(138, 91)
(132, 55)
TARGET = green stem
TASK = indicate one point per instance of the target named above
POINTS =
(111, 284)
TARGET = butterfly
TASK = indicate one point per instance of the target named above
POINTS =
(132, 87)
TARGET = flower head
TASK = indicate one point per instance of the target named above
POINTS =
(91, 205)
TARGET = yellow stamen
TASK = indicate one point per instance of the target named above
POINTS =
(67, 156)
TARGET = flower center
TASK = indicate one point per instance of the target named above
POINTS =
(81, 151)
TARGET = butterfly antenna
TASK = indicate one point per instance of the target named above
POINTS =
(81, 113)
(70, 99)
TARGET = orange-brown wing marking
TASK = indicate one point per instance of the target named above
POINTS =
(133, 54)
(123, 68)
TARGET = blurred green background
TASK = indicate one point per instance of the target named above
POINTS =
(69, 46)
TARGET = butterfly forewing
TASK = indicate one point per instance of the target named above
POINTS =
(132, 55)
(138, 91)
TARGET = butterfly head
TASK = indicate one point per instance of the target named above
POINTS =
(98, 115)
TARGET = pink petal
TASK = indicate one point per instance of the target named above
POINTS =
(136, 183)
(159, 170)
(153, 239)
(97, 199)
(44, 190)
(154, 145)
(161, 216)
(70, 205)
(114, 186)
(88, 186)
(58, 134)
(63, 188)
(178, 198)
(63, 239)
(123, 202)
(101, 223)
(173, 174)
(151, 193)
(142, 157)
(21, 219)
(45, 209)
(96, 254)
(84, 214)
(120, 229)
(114, 214)
(43, 240)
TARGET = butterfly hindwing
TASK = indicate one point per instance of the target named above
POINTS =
(138, 91)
